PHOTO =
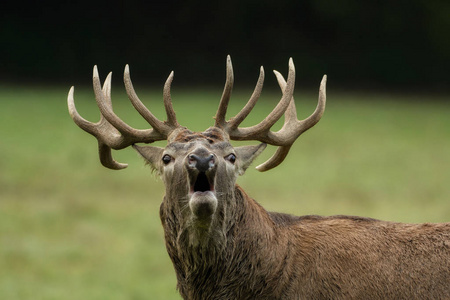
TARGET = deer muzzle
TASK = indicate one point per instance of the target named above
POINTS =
(202, 163)
(201, 166)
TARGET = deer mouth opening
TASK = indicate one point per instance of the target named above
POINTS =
(203, 201)
(202, 184)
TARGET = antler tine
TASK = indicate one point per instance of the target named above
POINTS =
(84, 124)
(275, 160)
(234, 122)
(158, 125)
(291, 111)
(223, 105)
(106, 158)
(292, 127)
(320, 108)
(171, 117)
(289, 116)
(104, 150)
(281, 107)
(104, 104)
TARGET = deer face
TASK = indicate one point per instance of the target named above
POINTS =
(199, 170)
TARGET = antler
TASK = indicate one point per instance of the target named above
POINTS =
(292, 128)
(111, 132)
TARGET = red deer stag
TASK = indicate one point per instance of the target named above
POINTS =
(224, 245)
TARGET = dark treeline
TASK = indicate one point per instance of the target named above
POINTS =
(371, 43)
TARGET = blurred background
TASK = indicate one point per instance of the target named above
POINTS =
(388, 44)
(71, 229)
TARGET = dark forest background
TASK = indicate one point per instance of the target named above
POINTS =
(373, 44)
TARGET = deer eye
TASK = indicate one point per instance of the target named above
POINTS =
(231, 158)
(166, 159)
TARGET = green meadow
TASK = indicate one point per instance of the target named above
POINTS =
(72, 229)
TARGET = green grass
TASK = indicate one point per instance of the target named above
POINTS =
(71, 229)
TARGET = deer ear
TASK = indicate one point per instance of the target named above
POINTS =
(246, 155)
(151, 154)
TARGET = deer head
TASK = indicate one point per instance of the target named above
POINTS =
(199, 169)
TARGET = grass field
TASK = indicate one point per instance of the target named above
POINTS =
(71, 229)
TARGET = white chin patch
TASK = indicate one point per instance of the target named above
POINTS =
(203, 204)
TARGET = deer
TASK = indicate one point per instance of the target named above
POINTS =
(224, 245)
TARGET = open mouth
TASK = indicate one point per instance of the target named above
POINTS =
(202, 184)
(202, 199)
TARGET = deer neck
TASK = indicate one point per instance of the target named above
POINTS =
(191, 245)
(242, 226)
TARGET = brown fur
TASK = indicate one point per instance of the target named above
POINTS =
(248, 253)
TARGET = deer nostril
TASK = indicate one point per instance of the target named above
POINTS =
(201, 163)
(211, 161)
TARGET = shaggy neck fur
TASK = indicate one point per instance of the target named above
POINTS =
(208, 261)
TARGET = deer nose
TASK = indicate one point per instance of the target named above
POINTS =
(200, 162)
